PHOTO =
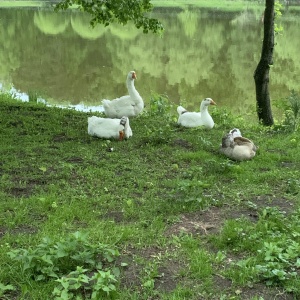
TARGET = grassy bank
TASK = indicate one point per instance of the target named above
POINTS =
(160, 216)
(21, 3)
(202, 3)
(227, 4)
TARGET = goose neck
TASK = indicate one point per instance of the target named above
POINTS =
(133, 93)
(130, 85)
(203, 108)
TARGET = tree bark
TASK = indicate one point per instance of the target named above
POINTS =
(261, 74)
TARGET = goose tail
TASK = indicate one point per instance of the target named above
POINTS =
(92, 124)
(106, 103)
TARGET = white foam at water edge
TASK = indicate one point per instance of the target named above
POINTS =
(79, 107)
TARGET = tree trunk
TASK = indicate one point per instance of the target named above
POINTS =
(261, 74)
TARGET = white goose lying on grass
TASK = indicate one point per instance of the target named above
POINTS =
(109, 128)
(195, 119)
(236, 147)
(128, 106)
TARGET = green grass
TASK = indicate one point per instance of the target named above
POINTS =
(216, 4)
(21, 3)
(185, 221)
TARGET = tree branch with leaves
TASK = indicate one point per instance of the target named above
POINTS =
(107, 12)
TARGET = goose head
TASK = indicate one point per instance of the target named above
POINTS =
(131, 75)
(206, 102)
(124, 129)
(235, 132)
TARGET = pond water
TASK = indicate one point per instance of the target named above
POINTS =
(202, 53)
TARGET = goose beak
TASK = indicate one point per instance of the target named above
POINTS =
(212, 102)
(134, 76)
(121, 135)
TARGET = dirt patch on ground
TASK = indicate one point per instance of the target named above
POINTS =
(211, 220)
(20, 229)
(60, 138)
(143, 262)
(25, 228)
(283, 204)
(116, 216)
(202, 222)
(260, 290)
(182, 143)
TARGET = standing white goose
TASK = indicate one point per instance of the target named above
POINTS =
(195, 119)
(109, 128)
(128, 106)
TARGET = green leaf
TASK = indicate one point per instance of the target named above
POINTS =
(106, 289)
(65, 283)
(149, 283)
(44, 169)
(65, 295)
(39, 277)
(297, 264)
(7, 287)
(116, 272)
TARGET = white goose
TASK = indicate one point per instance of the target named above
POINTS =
(128, 106)
(195, 119)
(236, 147)
(109, 128)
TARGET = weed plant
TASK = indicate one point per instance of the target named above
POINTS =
(73, 262)
(291, 108)
(162, 215)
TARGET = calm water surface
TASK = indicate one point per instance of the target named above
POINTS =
(201, 54)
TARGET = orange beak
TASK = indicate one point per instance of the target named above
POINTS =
(212, 102)
(121, 135)
(134, 76)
